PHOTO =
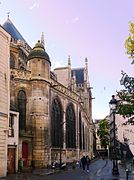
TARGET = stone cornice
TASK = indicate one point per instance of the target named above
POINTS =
(64, 90)
(19, 74)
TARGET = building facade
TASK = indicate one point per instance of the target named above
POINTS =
(13, 142)
(98, 144)
(125, 132)
(55, 107)
(4, 98)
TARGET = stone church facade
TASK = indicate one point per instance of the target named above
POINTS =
(55, 107)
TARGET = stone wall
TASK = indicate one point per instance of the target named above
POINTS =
(4, 98)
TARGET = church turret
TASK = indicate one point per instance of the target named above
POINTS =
(39, 65)
(39, 62)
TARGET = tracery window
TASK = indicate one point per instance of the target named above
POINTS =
(22, 109)
(70, 127)
(12, 61)
(22, 61)
(56, 123)
(83, 136)
(80, 131)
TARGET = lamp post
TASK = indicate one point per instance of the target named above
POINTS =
(112, 104)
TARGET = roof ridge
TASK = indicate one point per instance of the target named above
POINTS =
(78, 68)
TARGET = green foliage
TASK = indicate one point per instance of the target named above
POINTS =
(103, 133)
(126, 96)
(129, 44)
(126, 107)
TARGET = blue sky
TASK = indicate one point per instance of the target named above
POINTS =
(95, 29)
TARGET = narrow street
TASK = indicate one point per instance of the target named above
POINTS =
(99, 170)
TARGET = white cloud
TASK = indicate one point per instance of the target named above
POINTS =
(72, 21)
(56, 64)
(75, 20)
(34, 5)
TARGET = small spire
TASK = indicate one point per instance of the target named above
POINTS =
(86, 60)
(8, 15)
(74, 74)
(86, 72)
(69, 61)
(42, 39)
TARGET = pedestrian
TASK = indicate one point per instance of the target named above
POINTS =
(83, 162)
(87, 162)
(32, 165)
(77, 164)
(20, 165)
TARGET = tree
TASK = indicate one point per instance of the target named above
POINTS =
(103, 133)
(129, 44)
(126, 96)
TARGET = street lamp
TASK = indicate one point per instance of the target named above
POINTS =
(112, 104)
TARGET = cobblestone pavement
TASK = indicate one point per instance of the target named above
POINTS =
(99, 170)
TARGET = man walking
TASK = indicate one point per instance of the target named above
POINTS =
(87, 163)
(83, 162)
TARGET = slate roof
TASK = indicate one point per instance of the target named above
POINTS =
(79, 73)
(11, 29)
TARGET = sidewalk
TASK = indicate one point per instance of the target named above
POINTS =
(122, 171)
(105, 172)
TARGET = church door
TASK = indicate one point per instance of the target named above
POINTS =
(25, 153)
(11, 160)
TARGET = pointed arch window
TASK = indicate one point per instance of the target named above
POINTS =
(83, 136)
(56, 123)
(22, 109)
(22, 60)
(80, 131)
(12, 61)
(70, 127)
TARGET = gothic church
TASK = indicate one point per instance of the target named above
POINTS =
(55, 107)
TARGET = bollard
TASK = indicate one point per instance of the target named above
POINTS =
(126, 174)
